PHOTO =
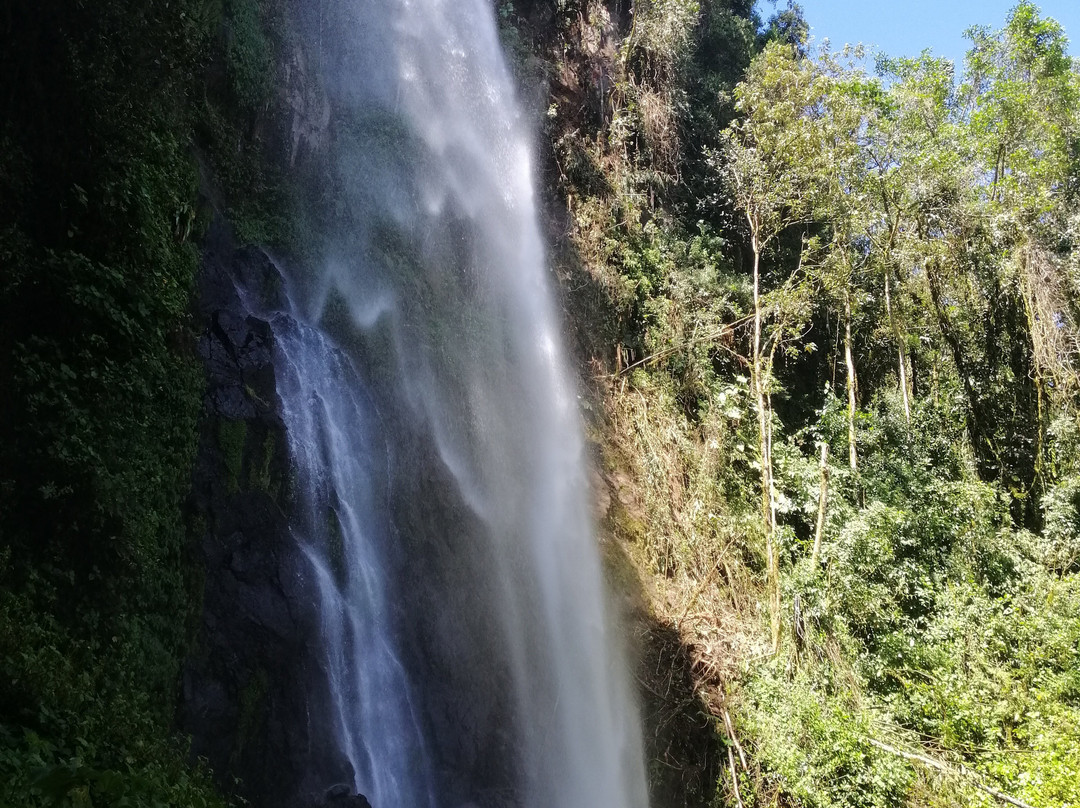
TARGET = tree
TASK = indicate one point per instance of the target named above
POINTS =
(903, 121)
(844, 205)
(1022, 93)
(984, 171)
(775, 155)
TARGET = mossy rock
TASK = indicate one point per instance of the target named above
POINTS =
(231, 438)
(253, 701)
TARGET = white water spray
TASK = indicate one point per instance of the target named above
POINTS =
(440, 468)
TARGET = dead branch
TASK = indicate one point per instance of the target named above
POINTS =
(730, 728)
(947, 769)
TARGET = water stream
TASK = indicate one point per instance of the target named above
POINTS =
(439, 459)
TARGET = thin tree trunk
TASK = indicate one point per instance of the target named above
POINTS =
(981, 443)
(823, 496)
(853, 457)
(1030, 307)
(901, 352)
(768, 513)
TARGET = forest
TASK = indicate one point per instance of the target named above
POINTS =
(824, 310)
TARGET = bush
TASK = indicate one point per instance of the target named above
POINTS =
(812, 740)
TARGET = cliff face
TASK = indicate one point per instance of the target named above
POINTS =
(248, 685)
(254, 694)
(254, 657)
(250, 682)
(255, 700)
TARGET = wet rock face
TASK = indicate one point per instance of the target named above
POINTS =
(255, 691)
(250, 686)
(309, 128)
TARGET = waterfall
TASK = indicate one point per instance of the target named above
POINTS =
(439, 470)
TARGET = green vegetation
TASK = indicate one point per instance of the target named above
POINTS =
(237, 126)
(100, 107)
(942, 212)
(830, 317)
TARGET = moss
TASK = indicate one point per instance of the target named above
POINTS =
(262, 477)
(253, 699)
(231, 438)
(249, 55)
(621, 523)
(239, 123)
(622, 573)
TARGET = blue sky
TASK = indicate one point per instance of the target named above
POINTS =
(906, 27)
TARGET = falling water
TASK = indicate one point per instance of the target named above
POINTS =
(439, 459)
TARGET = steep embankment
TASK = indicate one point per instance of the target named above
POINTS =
(630, 96)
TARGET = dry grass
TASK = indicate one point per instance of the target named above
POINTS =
(660, 128)
(1054, 332)
(697, 618)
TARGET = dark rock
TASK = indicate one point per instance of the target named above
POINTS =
(343, 796)
(252, 685)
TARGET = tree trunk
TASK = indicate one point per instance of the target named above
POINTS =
(759, 382)
(823, 496)
(901, 352)
(1036, 374)
(853, 457)
(987, 465)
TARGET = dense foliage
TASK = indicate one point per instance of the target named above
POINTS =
(100, 107)
(942, 231)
